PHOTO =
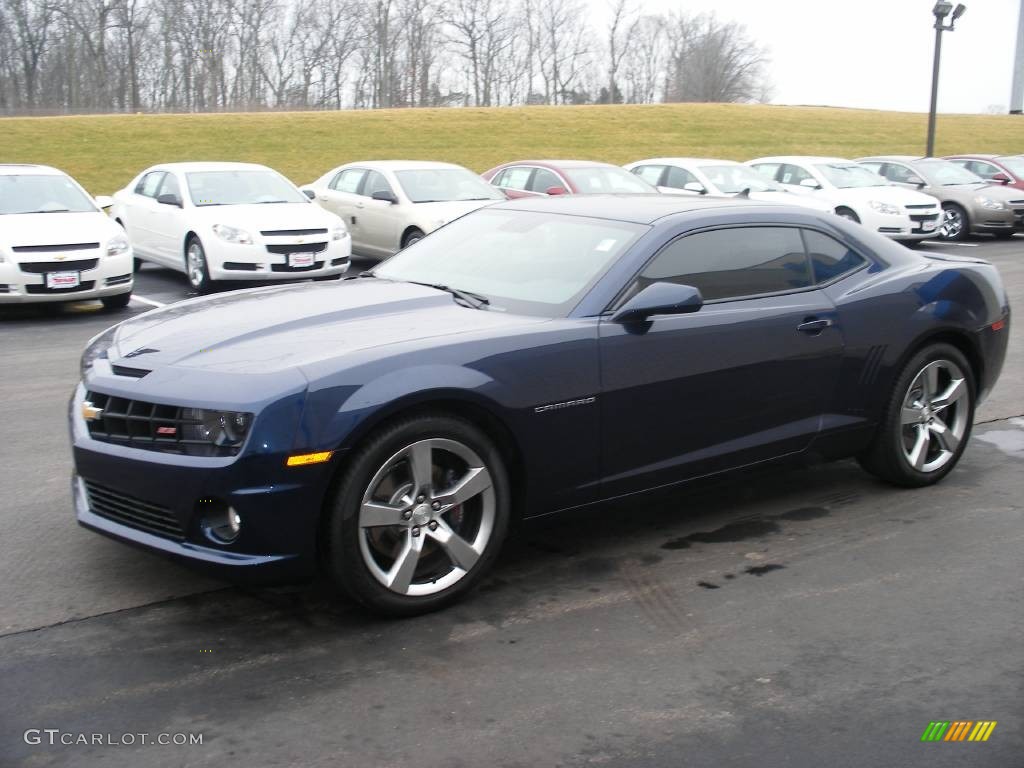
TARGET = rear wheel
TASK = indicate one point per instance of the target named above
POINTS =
(927, 420)
(120, 301)
(419, 516)
(954, 222)
(195, 266)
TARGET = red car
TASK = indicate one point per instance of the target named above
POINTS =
(531, 178)
(998, 169)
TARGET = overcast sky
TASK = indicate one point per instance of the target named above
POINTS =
(874, 53)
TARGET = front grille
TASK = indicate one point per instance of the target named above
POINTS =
(133, 512)
(889, 230)
(55, 248)
(150, 426)
(920, 206)
(37, 289)
(340, 260)
(292, 232)
(1017, 202)
(240, 266)
(296, 248)
(924, 217)
(42, 267)
(286, 268)
(119, 279)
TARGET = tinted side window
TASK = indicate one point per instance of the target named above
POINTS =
(170, 186)
(678, 178)
(543, 180)
(348, 180)
(985, 170)
(149, 184)
(793, 174)
(649, 173)
(375, 182)
(899, 173)
(730, 263)
(515, 178)
(768, 170)
(829, 257)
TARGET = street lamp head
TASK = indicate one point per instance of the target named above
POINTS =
(958, 11)
(942, 9)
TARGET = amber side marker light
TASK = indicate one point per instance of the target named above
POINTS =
(309, 458)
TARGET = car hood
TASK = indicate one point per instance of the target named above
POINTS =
(266, 330)
(893, 195)
(266, 217)
(56, 228)
(968, 192)
(447, 210)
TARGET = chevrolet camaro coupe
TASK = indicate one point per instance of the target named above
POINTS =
(533, 356)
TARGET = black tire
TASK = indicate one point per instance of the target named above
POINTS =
(848, 214)
(955, 224)
(411, 237)
(886, 457)
(198, 278)
(120, 301)
(1004, 235)
(346, 540)
(136, 264)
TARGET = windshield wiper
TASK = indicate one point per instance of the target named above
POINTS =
(52, 210)
(474, 300)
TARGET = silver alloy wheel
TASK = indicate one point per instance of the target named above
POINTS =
(934, 415)
(426, 517)
(196, 263)
(952, 224)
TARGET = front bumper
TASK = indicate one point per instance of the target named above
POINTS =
(137, 496)
(268, 259)
(24, 281)
(988, 221)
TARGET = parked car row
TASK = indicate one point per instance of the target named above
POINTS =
(242, 221)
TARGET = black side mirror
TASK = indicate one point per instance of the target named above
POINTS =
(660, 299)
(386, 195)
(917, 181)
(309, 193)
(169, 198)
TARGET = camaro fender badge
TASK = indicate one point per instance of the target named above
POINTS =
(90, 412)
(566, 404)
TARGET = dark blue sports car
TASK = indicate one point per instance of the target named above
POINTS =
(531, 357)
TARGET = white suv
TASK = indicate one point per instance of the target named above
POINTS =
(857, 193)
(56, 244)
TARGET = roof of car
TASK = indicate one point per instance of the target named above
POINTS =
(686, 161)
(561, 163)
(635, 208)
(979, 157)
(16, 169)
(210, 166)
(801, 159)
(401, 165)
(894, 158)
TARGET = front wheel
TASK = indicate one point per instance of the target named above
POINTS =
(195, 266)
(419, 516)
(120, 301)
(848, 214)
(927, 421)
(954, 223)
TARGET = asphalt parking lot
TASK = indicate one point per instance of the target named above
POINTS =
(798, 617)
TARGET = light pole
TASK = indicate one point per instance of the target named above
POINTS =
(940, 11)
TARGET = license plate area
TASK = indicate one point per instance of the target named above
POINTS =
(59, 280)
(929, 226)
(301, 259)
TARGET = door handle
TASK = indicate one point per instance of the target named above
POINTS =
(360, 205)
(813, 325)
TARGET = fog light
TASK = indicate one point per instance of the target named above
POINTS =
(220, 522)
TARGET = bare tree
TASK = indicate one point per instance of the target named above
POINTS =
(712, 61)
(620, 33)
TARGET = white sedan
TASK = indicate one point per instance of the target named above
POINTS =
(229, 221)
(856, 193)
(56, 244)
(389, 204)
(723, 178)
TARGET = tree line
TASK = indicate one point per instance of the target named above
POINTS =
(82, 56)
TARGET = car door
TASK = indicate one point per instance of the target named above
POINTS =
(341, 196)
(381, 221)
(138, 218)
(169, 223)
(744, 379)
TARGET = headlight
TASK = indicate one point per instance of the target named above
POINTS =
(96, 349)
(223, 429)
(886, 208)
(118, 245)
(232, 234)
(339, 232)
(988, 202)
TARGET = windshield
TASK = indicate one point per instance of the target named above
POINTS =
(1015, 165)
(849, 175)
(601, 179)
(732, 179)
(945, 173)
(42, 193)
(241, 188)
(522, 261)
(431, 185)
